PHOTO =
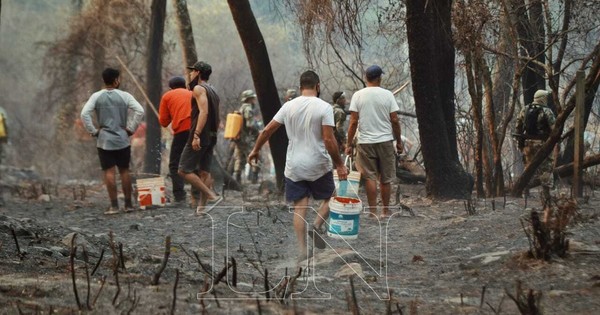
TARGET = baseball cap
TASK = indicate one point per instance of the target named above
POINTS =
(373, 72)
(177, 82)
(202, 67)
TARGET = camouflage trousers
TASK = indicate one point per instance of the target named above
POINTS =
(240, 157)
(544, 172)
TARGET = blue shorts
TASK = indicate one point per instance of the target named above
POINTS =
(319, 189)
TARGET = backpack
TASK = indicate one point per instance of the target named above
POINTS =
(532, 121)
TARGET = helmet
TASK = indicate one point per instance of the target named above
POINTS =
(291, 94)
(247, 94)
(541, 97)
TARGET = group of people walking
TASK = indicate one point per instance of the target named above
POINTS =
(313, 148)
(314, 129)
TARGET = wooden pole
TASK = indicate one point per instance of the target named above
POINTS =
(577, 189)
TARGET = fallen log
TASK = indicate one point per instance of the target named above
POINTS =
(410, 172)
(566, 170)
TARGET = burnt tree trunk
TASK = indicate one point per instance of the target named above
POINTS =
(475, 93)
(262, 76)
(496, 136)
(154, 85)
(530, 28)
(186, 34)
(569, 153)
(431, 55)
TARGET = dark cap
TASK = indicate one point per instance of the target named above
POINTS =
(373, 72)
(202, 67)
(177, 82)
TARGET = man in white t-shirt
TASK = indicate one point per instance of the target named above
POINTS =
(309, 125)
(373, 110)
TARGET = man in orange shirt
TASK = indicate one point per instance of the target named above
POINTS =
(175, 108)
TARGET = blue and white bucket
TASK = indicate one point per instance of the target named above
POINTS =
(344, 216)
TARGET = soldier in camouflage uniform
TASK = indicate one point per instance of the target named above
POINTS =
(339, 117)
(245, 142)
(534, 124)
(290, 94)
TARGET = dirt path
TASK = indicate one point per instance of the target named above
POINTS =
(429, 260)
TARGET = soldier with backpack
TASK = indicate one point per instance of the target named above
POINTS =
(534, 124)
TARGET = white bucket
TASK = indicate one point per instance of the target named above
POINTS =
(344, 216)
(348, 188)
(151, 192)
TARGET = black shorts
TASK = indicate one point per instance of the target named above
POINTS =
(319, 189)
(192, 161)
(110, 158)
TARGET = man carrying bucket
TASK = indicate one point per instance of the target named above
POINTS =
(309, 125)
(373, 110)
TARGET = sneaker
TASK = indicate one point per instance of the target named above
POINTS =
(111, 210)
(316, 234)
(213, 203)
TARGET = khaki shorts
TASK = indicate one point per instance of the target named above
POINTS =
(377, 161)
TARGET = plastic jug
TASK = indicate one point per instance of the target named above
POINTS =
(233, 125)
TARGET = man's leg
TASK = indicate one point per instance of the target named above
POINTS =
(197, 183)
(387, 174)
(208, 181)
(111, 186)
(177, 146)
(371, 188)
(366, 162)
(386, 192)
(126, 185)
(239, 162)
(300, 224)
(322, 214)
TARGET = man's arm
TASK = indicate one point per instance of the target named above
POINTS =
(333, 150)
(86, 115)
(331, 145)
(202, 103)
(263, 137)
(138, 114)
(164, 115)
(396, 130)
(351, 131)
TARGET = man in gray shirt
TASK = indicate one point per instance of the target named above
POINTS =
(112, 106)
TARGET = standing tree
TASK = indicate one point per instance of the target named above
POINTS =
(186, 33)
(262, 76)
(529, 19)
(154, 84)
(431, 55)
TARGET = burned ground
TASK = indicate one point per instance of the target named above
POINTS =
(434, 257)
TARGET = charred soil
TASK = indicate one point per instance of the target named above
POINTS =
(434, 256)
